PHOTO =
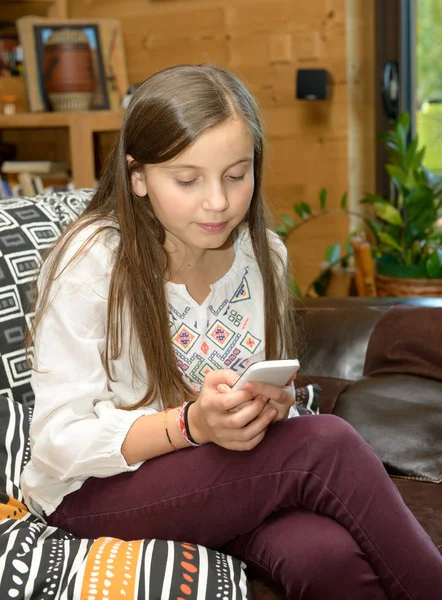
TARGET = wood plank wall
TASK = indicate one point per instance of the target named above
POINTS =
(310, 144)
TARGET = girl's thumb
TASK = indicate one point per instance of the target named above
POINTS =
(223, 388)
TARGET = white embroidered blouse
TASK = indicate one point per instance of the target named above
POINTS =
(77, 431)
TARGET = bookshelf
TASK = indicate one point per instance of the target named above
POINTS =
(81, 127)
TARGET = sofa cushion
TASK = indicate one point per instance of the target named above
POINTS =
(407, 339)
(333, 341)
(39, 561)
(400, 416)
(425, 502)
(28, 226)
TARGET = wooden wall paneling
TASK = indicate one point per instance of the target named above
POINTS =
(254, 16)
(170, 37)
(361, 91)
(14, 10)
(310, 144)
(59, 9)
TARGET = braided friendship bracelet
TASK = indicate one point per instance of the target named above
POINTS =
(167, 431)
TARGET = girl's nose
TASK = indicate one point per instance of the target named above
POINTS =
(216, 199)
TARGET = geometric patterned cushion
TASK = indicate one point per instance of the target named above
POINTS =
(38, 561)
(28, 226)
(15, 419)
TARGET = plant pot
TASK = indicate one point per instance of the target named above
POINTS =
(402, 287)
(394, 280)
(390, 268)
(340, 282)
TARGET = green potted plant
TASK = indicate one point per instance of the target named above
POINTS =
(404, 228)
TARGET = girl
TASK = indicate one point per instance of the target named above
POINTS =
(150, 306)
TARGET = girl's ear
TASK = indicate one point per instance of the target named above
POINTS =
(137, 178)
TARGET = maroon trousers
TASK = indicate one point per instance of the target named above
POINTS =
(311, 507)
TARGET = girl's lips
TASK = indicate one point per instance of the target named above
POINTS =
(213, 227)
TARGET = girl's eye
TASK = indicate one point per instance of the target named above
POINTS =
(240, 178)
(185, 183)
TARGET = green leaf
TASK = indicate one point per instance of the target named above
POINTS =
(388, 213)
(435, 238)
(299, 211)
(344, 201)
(402, 127)
(434, 263)
(281, 230)
(388, 240)
(333, 253)
(376, 226)
(421, 211)
(321, 282)
(347, 244)
(372, 198)
(289, 221)
(306, 208)
(397, 173)
(410, 154)
(294, 288)
(418, 159)
(322, 198)
(392, 145)
(403, 121)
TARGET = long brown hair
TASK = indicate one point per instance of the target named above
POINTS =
(168, 112)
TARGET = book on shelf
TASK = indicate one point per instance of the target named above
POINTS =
(6, 188)
(30, 184)
(26, 183)
(34, 166)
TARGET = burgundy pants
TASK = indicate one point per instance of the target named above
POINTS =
(311, 507)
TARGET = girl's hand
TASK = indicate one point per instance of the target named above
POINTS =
(280, 398)
(211, 421)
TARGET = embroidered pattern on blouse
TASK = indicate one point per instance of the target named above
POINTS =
(222, 337)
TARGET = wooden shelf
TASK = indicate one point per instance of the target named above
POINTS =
(81, 127)
(105, 120)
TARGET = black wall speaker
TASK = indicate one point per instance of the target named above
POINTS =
(312, 84)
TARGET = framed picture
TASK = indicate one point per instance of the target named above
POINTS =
(43, 33)
(106, 44)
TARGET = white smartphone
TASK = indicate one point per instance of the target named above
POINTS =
(275, 372)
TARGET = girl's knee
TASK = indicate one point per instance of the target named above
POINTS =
(334, 431)
(325, 428)
(327, 436)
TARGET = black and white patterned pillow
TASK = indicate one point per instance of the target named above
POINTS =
(38, 561)
(65, 207)
(28, 227)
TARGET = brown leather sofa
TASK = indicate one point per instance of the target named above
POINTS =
(379, 363)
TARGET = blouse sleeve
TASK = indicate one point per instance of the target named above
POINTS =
(77, 430)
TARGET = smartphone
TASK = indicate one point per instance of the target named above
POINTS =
(276, 372)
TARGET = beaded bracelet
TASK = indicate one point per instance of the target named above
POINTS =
(182, 422)
(167, 431)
